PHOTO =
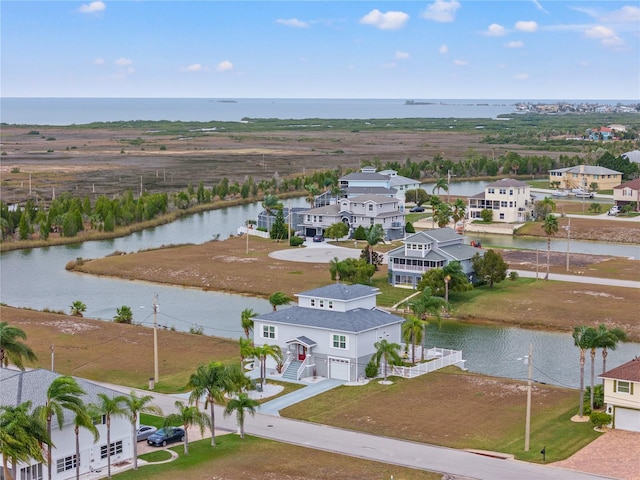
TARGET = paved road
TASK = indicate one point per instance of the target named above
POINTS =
(382, 449)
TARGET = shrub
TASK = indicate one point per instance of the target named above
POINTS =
(50, 139)
(487, 215)
(296, 241)
(15, 169)
(600, 419)
(409, 228)
(196, 330)
(360, 233)
(595, 207)
(34, 132)
(371, 370)
(513, 275)
(163, 147)
(598, 396)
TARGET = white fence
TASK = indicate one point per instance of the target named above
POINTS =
(253, 231)
(437, 358)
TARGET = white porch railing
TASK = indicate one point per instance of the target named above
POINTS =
(253, 231)
(287, 362)
(439, 358)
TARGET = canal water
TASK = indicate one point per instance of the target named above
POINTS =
(37, 279)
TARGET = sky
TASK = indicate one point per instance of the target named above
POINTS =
(448, 49)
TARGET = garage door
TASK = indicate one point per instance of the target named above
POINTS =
(339, 369)
(627, 419)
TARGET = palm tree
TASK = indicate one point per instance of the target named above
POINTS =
(550, 227)
(22, 435)
(64, 393)
(312, 192)
(412, 331)
(441, 184)
(547, 205)
(246, 349)
(582, 339)
(78, 308)
(373, 236)
(270, 203)
(387, 352)
(83, 419)
(246, 319)
(209, 381)
(609, 341)
(123, 315)
(111, 407)
(427, 304)
(459, 210)
(242, 404)
(278, 298)
(187, 416)
(11, 348)
(263, 352)
(435, 202)
(137, 405)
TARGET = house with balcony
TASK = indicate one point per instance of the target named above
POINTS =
(331, 332)
(17, 387)
(426, 250)
(362, 210)
(622, 395)
(584, 176)
(628, 193)
(509, 201)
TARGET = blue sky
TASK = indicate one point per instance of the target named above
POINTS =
(517, 49)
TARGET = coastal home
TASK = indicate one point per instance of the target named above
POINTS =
(331, 332)
(628, 194)
(17, 387)
(600, 133)
(584, 176)
(403, 185)
(509, 200)
(632, 156)
(429, 249)
(362, 210)
(622, 395)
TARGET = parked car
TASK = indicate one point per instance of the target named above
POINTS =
(613, 211)
(166, 435)
(144, 431)
(417, 209)
(318, 238)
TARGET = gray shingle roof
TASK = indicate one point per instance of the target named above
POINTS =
(364, 176)
(462, 252)
(372, 198)
(508, 182)
(442, 234)
(17, 387)
(370, 190)
(352, 321)
(341, 291)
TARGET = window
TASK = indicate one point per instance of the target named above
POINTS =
(510, 192)
(100, 420)
(371, 207)
(268, 331)
(321, 302)
(491, 190)
(502, 216)
(66, 463)
(32, 472)
(330, 305)
(623, 387)
(116, 448)
(503, 191)
(340, 341)
(313, 302)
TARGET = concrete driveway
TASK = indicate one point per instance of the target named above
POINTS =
(317, 252)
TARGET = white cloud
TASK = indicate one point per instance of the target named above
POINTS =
(194, 67)
(402, 55)
(123, 62)
(224, 66)
(385, 21)
(521, 76)
(99, 61)
(460, 63)
(539, 7)
(443, 48)
(292, 22)
(624, 15)
(93, 7)
(495, 30)
(524, 26)
(389, 65)
(606, 35)
(515, 44)
(442, 11)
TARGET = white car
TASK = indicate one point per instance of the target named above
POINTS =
(613, 211)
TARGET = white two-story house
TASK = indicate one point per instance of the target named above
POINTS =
(17, 387)
(363, 210)
(509, 200)
(426, 250)
(331, 332)
(622, 395)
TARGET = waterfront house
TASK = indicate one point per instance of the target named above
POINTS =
(330, 333)
(17, 387)
(362, 210)
(509, 201)
(628, 194)
(426, 250)
(622, 395)
(584, 176)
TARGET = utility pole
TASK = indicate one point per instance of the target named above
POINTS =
(568, 229)
(52, 355)
(527, 428)
(155, 338)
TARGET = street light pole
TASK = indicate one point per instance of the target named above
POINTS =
(527, 428)
(568, 229)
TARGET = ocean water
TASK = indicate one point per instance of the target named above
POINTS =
(69, 111)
